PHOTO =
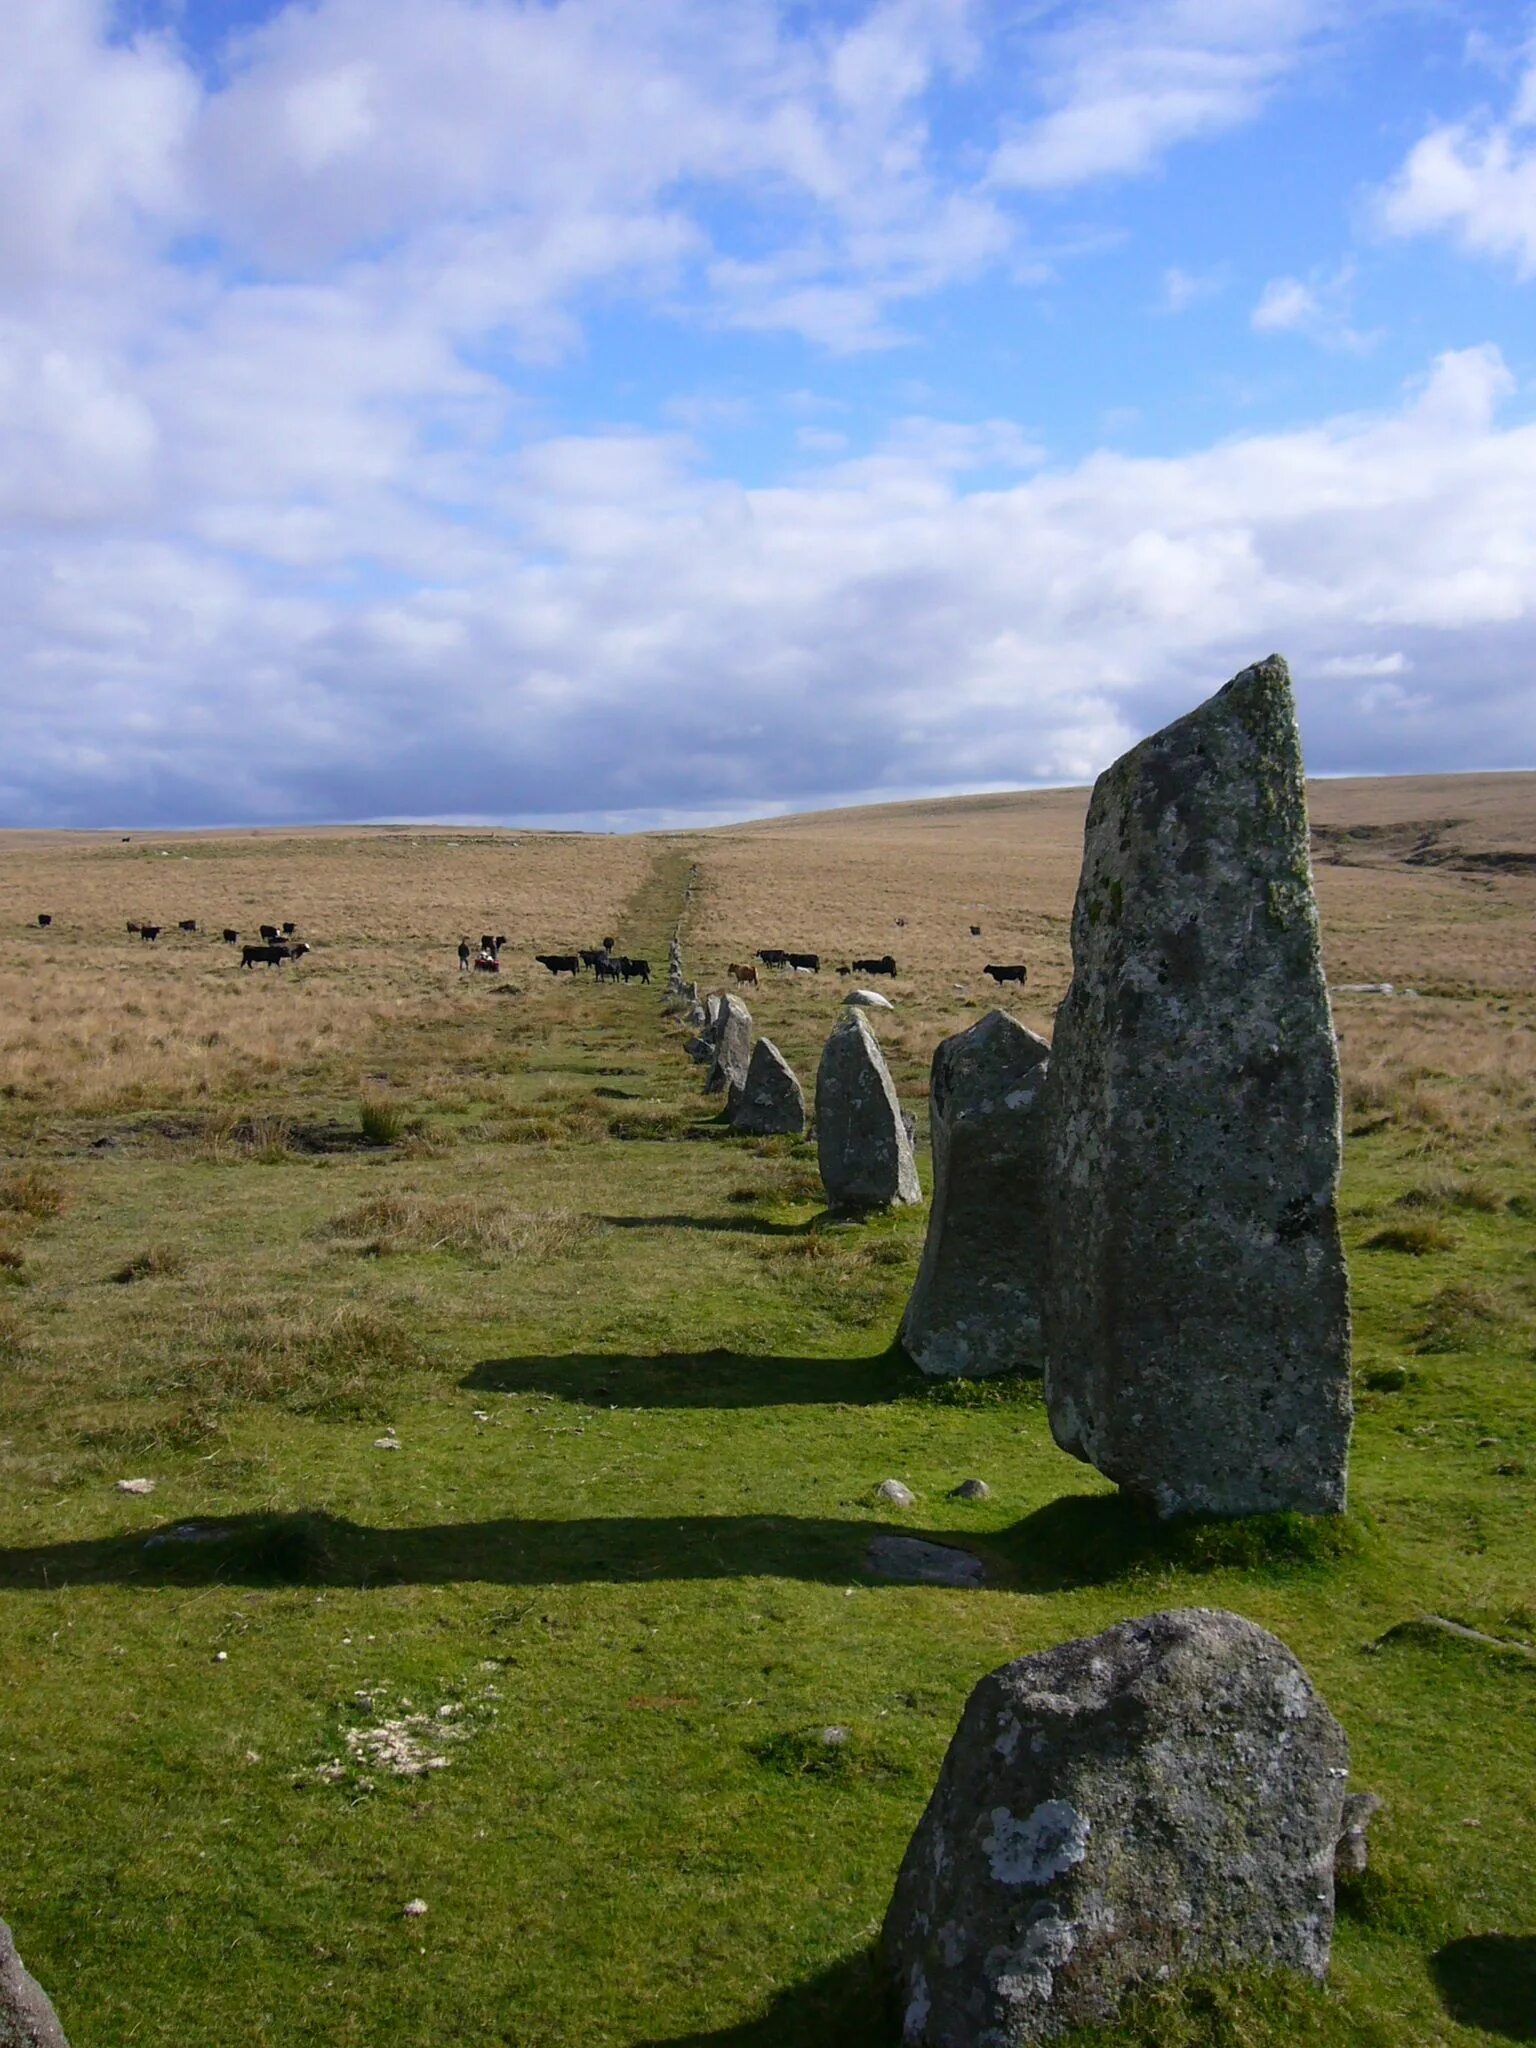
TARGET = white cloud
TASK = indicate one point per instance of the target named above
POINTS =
(1474, 181)
(1317, 308)
(1184, 288)
(1131, 80)
(639, 635)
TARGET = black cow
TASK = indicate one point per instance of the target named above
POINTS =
(489, 943)
(635, 970)
(609, 944)
(975, 931)
(560, 963)
(45, 918)
(271, 956)
(134, 927)
(606, 968)
(884, 965)
(231, 938)
(590, 955)
(186, 924)
(773, 956)
(811, 962)
(1019, 973)
(149, 933)
(289, 930)
(269, 933)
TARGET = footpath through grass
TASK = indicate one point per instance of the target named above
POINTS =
(559, 1665)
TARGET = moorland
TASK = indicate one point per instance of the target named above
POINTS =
(514, 1431)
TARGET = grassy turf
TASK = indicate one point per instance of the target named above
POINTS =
(643, 1393)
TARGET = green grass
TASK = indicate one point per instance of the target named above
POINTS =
(643, 1390)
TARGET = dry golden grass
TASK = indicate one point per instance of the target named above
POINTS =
(93, 1019)
(1424, 882)
(1427, 882)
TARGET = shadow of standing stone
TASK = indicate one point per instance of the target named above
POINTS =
(1197, 1312)
(863, 1145)
(975, 1306)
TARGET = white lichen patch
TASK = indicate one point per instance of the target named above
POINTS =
(405, 1744)
(1034, 1850)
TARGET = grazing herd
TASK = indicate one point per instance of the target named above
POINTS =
(277, 944)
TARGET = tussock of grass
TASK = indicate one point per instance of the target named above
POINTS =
(13, 1335)
(155, 1262)
(649, 1120)
(228, 1136)
(389, 1224)
(32, 1192)
(1417, 1240)
(1452, 1191)
(833, 1756)
(1457, 1317)
(345, 1363)
(381, 1122)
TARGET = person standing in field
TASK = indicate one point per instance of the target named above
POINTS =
(463, 956)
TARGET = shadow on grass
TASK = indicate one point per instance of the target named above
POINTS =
(1489, 1981)
(1083, 1541)
(845, 2006)
(702, 1379)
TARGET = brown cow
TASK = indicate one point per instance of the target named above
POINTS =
(742, 973)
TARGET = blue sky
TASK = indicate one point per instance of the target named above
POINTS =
(593, 412)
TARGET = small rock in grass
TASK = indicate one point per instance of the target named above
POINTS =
(136, 1486)
(386, 1443)
(414, 1908)
(834, 1738)
(1352, 1857)
(898, 1495)
(971, 1489)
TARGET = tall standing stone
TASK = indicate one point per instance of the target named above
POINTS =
(27, 2017)
(733, 1048)
(975, 1306)
(862, 1145)
(1164, 1797)
(1198, 1309)
(772, 1101)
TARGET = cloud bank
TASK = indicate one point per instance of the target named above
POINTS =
(285, 533)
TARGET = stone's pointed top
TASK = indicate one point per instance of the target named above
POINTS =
(862, 1143)
(27, 2018)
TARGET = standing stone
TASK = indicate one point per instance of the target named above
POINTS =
(27, 2018)
(772, 1100)
(862, 1144)
(1197, 1313)
(733, 1048)
(975, 1306)
(1161, 1798)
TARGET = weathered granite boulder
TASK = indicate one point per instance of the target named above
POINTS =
(1197, 1312)
(1164, 1797)
(733, 1048)
(27, 2019)
(975, 1306)
(862, 1145)
(771, 1099)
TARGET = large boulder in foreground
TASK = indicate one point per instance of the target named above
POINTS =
(862, 1145)
(27, 2019)
(1164, 1797)
(975, 1306)
(1197, 1312)
(732, 1037)
(771, 1101)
